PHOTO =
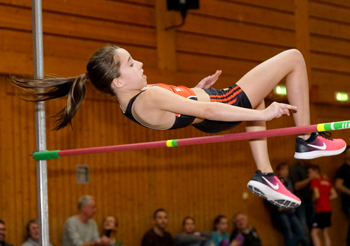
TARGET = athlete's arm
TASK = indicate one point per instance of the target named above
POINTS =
(161, 99)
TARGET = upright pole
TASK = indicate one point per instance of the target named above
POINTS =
(40, 128)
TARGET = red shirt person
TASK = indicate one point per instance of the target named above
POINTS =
(323, 192)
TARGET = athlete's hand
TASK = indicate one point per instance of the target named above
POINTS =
(276, 110)
(207, 82)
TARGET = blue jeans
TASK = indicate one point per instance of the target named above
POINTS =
(292, 229)
(306, 214)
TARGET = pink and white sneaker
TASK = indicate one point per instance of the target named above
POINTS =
(269, 187)
(319, 144)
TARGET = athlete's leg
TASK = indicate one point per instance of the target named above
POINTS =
(257, 84)
(261, 80)
(264, 183)
(259, 146)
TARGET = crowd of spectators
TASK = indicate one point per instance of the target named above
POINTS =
(242, 235)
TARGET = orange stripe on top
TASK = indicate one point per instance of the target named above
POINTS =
(226, 94)
(229, 103)
(226, 99)
(179, 90)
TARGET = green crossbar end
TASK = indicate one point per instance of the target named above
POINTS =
(46, 155)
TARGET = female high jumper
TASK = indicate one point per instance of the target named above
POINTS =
(113, 71)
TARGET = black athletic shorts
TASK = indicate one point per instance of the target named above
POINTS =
(234, 96)
(322, 220)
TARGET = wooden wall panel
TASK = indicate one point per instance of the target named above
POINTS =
(329, 47)
(99, 29)
(245, 12)
(286, 6)
(230, 48)
(202, 180)
(119, 11)
(243, 31)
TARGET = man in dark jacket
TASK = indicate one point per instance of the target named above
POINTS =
(158, 236)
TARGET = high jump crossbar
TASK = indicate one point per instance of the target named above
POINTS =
(55, 154)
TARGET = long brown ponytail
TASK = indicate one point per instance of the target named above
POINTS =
(57, 87)
(102, 69)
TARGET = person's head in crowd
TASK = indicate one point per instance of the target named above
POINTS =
(2, 231)
(240, 221)
(110, 223)
(188, 225)
(314, 172)
(87, 206)
(160, 219)
(282, 170)
(33, 230)
(347, 154)
(220, 224)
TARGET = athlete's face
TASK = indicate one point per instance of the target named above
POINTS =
(131, 70)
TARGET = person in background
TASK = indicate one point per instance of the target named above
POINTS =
(342, 184)
(243, 234)
(301, 184)
(110, 225)
(220, 236)
(81, 229)
(190, 237)
(158, 236)
(323, 192)
(3, 234)
(285, 219)
(32, 234)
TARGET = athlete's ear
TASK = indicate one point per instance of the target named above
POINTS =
(117, 82)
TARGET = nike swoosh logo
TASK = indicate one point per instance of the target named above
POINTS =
(318, 147)
(275, 187)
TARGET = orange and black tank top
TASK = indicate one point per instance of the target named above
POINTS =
(180, 120)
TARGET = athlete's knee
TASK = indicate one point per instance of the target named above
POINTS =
(296, 57)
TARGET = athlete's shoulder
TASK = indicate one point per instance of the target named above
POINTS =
(152, 95)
